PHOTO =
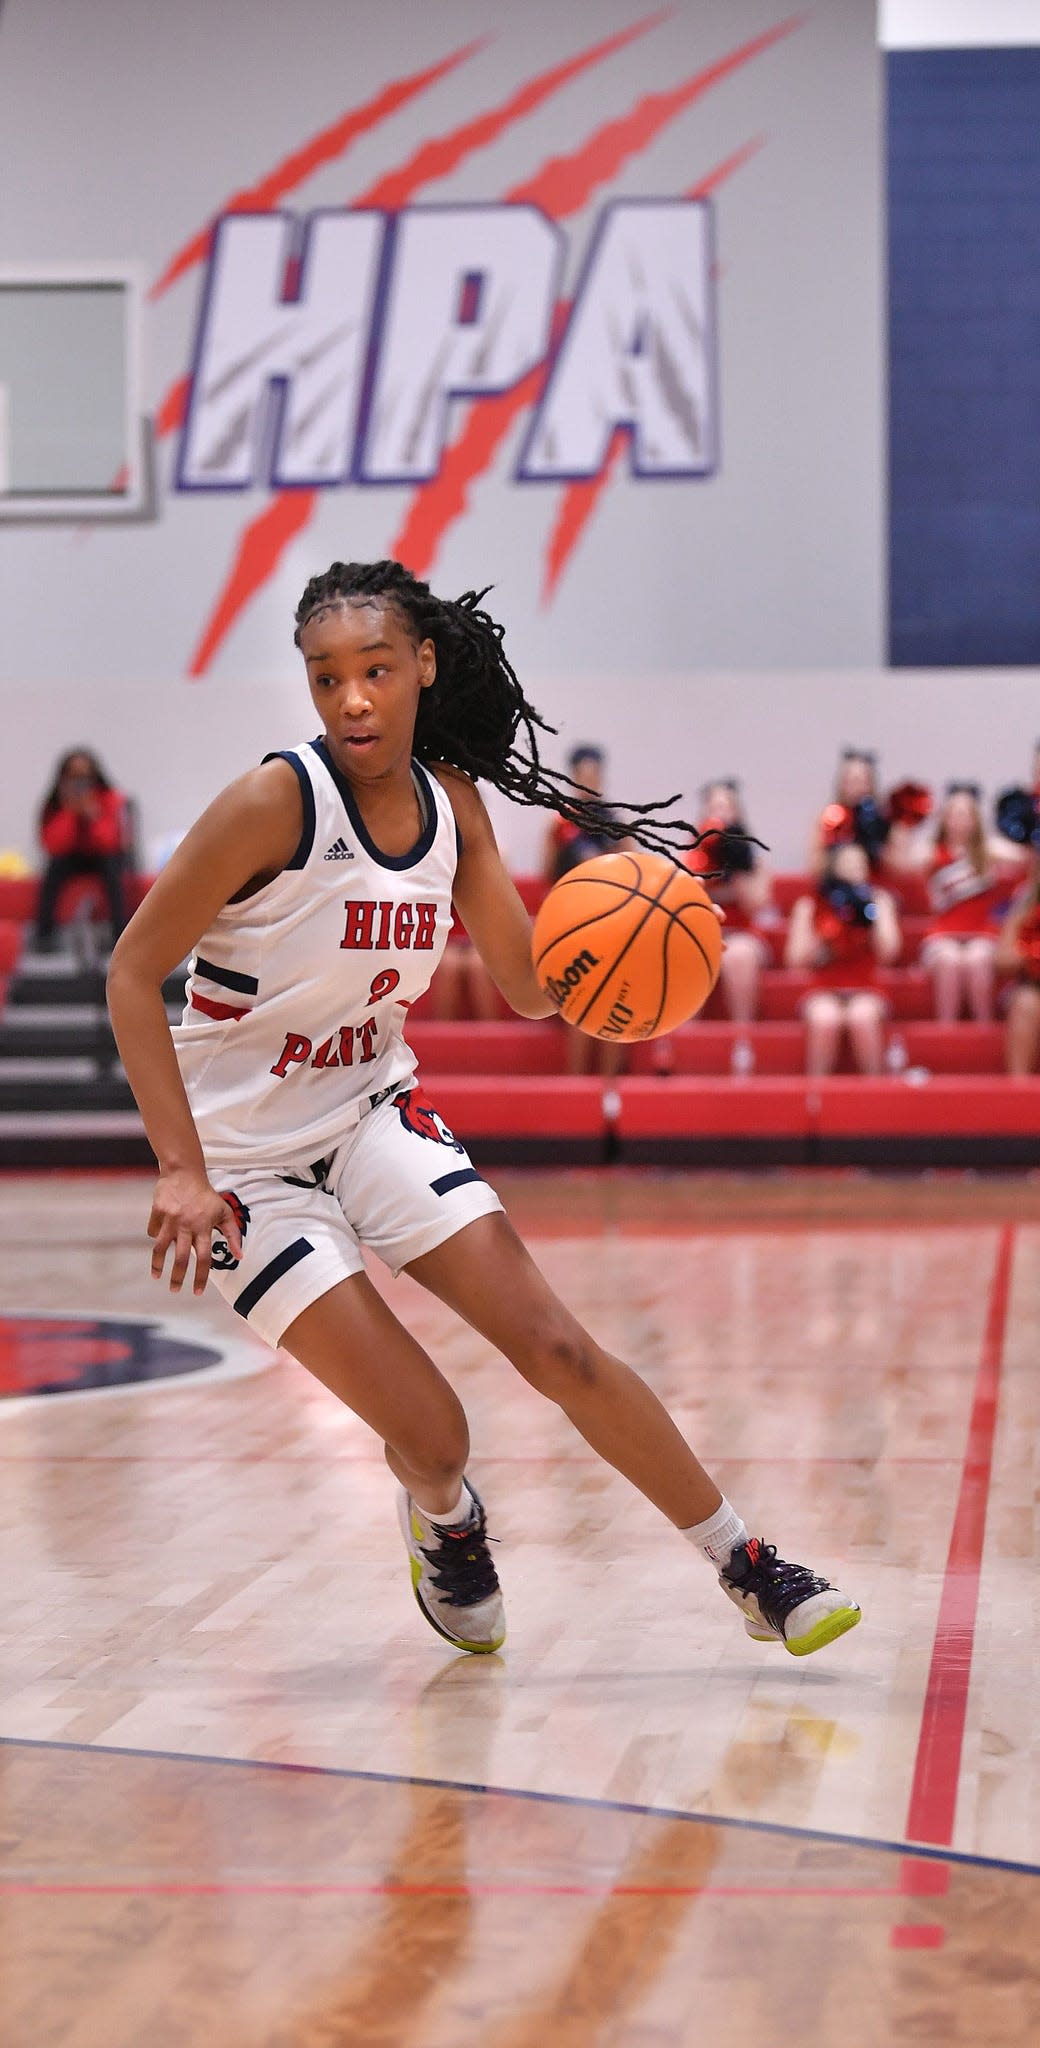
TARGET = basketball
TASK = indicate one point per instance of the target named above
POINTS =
(627, 946)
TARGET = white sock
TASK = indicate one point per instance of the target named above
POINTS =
(461, 1511)
(718, 1537)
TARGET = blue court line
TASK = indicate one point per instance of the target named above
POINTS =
(926, 1851)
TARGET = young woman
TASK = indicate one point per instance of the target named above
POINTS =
(315, 896)
(968, 876)
(854, 816)
(743, 889)
(842, 934)
(83, 831)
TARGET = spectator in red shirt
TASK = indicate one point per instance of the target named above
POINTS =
(841, 935)
(969, 878)
(744, 893)
(83, 831)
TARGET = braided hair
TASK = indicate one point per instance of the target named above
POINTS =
(474, 715)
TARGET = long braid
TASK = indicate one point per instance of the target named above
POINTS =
(475, 711)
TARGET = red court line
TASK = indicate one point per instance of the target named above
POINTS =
(933, 1795)
(912, 1936)
(385, 1889)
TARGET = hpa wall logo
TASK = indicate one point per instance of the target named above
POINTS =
(396, 342)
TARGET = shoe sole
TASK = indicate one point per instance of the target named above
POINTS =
(826, 1631)
(457, 1642)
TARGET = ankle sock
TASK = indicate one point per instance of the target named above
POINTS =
(719, 1536)
(460, 1512)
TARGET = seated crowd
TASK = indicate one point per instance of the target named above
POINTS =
(891, 879)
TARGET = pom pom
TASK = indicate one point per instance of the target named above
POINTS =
(837, 825)
(1018, 817)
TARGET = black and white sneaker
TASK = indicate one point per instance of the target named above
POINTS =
(453, 1577)
(784, 1602)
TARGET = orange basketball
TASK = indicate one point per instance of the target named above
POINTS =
(627, 946)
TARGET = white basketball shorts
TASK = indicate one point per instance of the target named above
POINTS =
(399, 1183)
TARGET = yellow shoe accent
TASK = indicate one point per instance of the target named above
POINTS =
(826, 1631)
(457, 1642)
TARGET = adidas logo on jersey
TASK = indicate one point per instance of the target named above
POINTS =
(339, 851)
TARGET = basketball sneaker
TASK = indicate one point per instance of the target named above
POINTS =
(453, 1577)
(783, 1602)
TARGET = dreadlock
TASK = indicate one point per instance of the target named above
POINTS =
(475, 709)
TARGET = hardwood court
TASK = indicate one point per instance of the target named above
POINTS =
(208, 1567)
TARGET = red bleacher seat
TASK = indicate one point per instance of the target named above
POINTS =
(18, 895)
(962, 1105)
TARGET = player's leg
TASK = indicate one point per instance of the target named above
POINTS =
(978, 968)
(823, 1024)
(353, 1343)
(300, 1283)
(864, 1019)
(488, 1277)
(1022, 1043)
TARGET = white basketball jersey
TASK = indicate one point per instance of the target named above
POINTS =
(297, 997)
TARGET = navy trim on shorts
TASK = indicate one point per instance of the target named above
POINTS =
(306, 842)
(273, 1271)
(447, 1181)
(225, 977)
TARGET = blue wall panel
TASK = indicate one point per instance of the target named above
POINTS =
(964, 282)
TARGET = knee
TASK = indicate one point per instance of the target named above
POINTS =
(559, 1359)
(944, 956)
(978, 953)
(864, 1010)
(823, 1012)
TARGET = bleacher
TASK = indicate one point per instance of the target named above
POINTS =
(504, 1086)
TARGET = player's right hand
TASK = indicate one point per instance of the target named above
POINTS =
(186, 1211)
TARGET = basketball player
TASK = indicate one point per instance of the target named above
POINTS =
(315, 897)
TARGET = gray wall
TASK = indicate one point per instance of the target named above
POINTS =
(699, 623)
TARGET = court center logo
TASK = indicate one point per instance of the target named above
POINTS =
(77, 1354)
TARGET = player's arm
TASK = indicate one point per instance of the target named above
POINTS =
(489, 903)
(246, 836)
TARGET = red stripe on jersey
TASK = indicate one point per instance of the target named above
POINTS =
(220, 1010)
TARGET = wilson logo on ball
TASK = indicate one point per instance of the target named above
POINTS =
(559, 986)
(658, 946)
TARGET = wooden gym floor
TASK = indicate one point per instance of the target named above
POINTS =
(248, 1800)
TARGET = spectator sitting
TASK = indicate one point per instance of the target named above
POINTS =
(567, 845)
(842, 934)
(83, 831)
(744, 893)
(854, 816)
(1018, 953)
(967, 875)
